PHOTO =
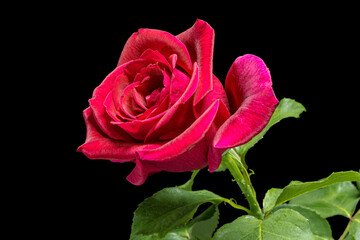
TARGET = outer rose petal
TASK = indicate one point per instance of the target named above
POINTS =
(161, 41)
(193, 159)
(218, 92)
(140, 172)
(201, 154)
(252, 102)
(215, 154)
(98, 146)
(184, 141)
(199, 40)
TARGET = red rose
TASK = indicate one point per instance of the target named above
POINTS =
(163, 109)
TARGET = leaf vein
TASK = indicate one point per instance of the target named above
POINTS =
(276, 234)
(260, 230)
(339, 207)
(196, 204)
(320, 237)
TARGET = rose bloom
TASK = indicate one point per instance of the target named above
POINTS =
(164, 110)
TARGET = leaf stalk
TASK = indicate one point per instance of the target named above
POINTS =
(346, 231)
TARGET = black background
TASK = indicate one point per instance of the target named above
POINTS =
(311, 51)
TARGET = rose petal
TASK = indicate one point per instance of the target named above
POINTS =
(128, 104)
(179, 83)
(140, 172)
(252, 102)
(202, 154)
(139, 99)
(218, 92)
(184, 141)
(103, 121)
(159, 128)
(214, 158)
(156, 110)
(101, 92)
(111, 108)
(199, 40)
(139, 128)
(98, 146)
(156, 81)
(151, 73)
(155, 56)
(161, 41)
(121, 82)
(182, 118)
(172, 61)
(193, 159)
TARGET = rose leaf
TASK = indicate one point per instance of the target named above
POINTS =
(169, 209)
(282, 224)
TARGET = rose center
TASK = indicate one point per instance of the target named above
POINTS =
(154, 97)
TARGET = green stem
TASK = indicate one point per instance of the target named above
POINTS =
(188, 185)
(346, 231)
(243, 180)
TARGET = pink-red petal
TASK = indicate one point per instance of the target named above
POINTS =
(215, 154)
(156, 40)
(157, 130)
(218, 92)
(155, 56)
(179, 83)
(252, 102)
(193, 159)
(138, 129)
(140, 172)
(99, 146)
(100, 93)
(111, 108)
(101, 116)
(184, 141)
(128, 104)
(199, 40)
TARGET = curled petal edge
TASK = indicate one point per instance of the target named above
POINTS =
(164, 42)
(199, 40)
